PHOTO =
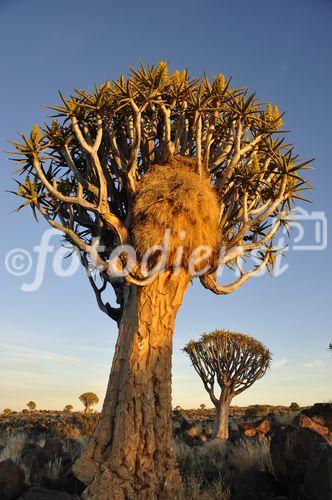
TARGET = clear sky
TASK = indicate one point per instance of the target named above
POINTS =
(55, 343)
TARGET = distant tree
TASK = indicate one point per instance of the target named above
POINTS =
(31, 405)
(330, 346)
(123, 164)
(69, 408)
(234, 361)
(88, 399)
(202, 406)
(6, 411)
(294, 406)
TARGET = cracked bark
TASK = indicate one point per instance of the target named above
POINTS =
(222, 416)
(131, 455)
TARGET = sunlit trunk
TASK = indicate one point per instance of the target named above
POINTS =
(222, 415)
(131, 455)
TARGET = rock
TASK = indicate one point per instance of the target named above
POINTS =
(234, 435)
(39, 493)
(321, 411)
(11, 480)
(67, 483)
(258, 428)
(54, 447)
(34, 457)
(307, 422)
(291, 450)
(317, 484)
(252, 484)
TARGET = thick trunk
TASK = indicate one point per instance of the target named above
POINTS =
(131, 455)
(222, 415)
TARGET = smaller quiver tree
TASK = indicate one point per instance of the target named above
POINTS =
(31, 405)
(234, 361)
(88, 399)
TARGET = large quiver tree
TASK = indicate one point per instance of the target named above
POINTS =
(232, 361)
(125, 164)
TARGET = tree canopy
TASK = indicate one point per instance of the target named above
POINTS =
(231, 360)
(82, 171)
(88, 399)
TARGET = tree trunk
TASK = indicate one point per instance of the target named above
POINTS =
(131, 455)
(222, 416)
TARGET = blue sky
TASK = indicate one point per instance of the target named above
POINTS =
(54, 343)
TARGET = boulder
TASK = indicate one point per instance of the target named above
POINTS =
(11, 480)
(291, 450)
(67, 483)
(252, 484)
(39, 493)
(317, 484)
(35, 458)
(307, 422)
(320, 413)
(258, 428)
(54, 447)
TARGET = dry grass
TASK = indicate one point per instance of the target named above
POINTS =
(249, 452)
(204, 470)
(53, 468)
(13, 444)
(175, 197)
(196, 488)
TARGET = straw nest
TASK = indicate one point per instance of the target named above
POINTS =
(176, 199)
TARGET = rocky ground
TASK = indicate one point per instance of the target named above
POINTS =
(274, 454)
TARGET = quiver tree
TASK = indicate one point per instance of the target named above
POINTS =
(31, 405)
(88, 399)
(232, 361)
(154, 161)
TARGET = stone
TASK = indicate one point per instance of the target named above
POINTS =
(11, 480)
(307, 422)
(67, 483)
(291, 449)
(252, 484)
(317, 484)
(321, 411)
(258, 428)
(39, 493)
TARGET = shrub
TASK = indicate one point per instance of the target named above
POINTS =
(294, 407)
(7, 411)
(68, 408)
(252, 412)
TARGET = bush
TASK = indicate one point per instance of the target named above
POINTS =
(252, 411)
(294, 407)
(7, 411)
